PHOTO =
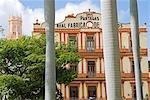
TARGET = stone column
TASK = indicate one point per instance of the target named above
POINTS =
(62, 37)
(67, 92)
(85, 91)
(80, 92)
(97, 67)
(80, 67)
(98, 91)
(66, 38)
(84, 66)
(83, 40)
(101, 40)
(97, 40)
(63, 90)
(79, 41)
(102, 65)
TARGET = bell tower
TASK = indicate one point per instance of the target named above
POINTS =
(15, 27)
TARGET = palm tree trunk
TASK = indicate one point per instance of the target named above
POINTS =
(50, 70)
(111, 49)
(136, 47)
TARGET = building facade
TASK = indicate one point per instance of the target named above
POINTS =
(85, 32)
(15, 27)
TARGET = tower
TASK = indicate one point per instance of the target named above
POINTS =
(15, 27)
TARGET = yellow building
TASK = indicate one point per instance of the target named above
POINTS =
(85, 31)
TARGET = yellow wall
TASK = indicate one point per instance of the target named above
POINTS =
(126, 65)
(127, 89)
(143, 40)
(125, 40)
(145, 88)
(144, 64)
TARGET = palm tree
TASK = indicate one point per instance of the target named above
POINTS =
(111, 49)
(50, 70)
(136, 47)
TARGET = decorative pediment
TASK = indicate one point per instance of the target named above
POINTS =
(84, 20)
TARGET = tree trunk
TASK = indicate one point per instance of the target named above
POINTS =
(50, 70)
(111, 49)
(136, 47)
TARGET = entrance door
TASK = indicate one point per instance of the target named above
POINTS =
(74, 93)
(91, 92)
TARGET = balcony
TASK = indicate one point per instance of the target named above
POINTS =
(91, 74)
(74, 98)
(90, 49)
(101, 76)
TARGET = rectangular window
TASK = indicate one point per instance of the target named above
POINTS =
(90, 43)
(74, 67)
(91, 92)
(73, 41)
(91, 69)
(74, 92)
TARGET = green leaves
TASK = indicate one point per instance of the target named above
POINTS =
(10, 86)
(65, 76)
(22, 66)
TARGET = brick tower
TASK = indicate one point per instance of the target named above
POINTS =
(15, 27)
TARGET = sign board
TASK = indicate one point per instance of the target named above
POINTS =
(81, 20)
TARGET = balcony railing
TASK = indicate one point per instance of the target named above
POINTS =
(90, 49)
(74, 98)
(91, 74)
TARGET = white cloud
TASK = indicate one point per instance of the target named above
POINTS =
(16, 8)
(71, 8)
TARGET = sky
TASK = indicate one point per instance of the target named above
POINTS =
(30, 10)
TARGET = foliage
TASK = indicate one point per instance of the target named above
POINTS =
(10, 86)
(65, 55)
(23, 61)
